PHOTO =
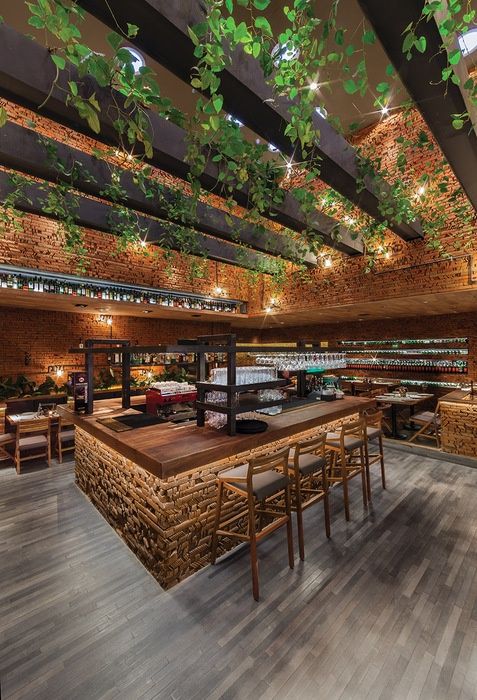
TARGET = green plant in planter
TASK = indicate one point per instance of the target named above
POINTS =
(106, 378)
(49, 386)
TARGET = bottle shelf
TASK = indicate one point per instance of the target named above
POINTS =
(40, 282)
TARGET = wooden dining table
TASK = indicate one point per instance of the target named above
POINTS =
(410, 400)
(13, 419)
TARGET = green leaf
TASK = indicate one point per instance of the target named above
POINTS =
(114, 40)
(350, 86)
(458, 123)
(390, 70)
(218, 101)
(256, 48)
(421, 44)
(36, 22)
(263, 24)
(3, 116)
(214, 122)
(73, 87)
(339, 37)
(132, 30)
(59, 61)
(454, 57)
(382, 87)
(369, 37)
(261, 4)
(229, 4)
(193, 36)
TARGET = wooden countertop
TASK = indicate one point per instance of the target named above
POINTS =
(460, 396)
(166, 449)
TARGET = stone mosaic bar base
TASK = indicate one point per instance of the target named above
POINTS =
(167, 523)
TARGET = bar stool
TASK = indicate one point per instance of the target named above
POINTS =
(308, 462)
(344, 446)
(374, 434)
(65, 439)
(260, 484)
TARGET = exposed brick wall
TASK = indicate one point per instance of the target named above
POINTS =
(48, 335)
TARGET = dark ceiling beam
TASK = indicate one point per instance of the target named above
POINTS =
(163, 35)
(422, 78)
(21, 149)
(29, 82)
(98, 216)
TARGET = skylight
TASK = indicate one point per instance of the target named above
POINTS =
(468, 42)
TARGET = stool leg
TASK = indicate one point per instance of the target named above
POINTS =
(299, 516)
(368, 474)
(218, 508)
(253, 545)
(291, 561)
(326, 502)
(344, 476)
(364, 476)
(381, 452)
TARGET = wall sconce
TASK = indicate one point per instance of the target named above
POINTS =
(272, 305)
(57, 370)
(102, 318)
(218, 290)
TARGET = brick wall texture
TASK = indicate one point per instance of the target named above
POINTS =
(412, 268)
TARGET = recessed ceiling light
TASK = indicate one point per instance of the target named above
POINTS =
(272, 148)
(322, 111)
(138, 61)
(233, 120)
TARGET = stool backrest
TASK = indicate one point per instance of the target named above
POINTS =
(315, 445)
(36, 425)
(354, 428)
(265, 463)
(373, 417)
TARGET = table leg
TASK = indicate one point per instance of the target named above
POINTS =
(395, 434)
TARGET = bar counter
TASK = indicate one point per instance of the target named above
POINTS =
(156, 485)
(458, 411)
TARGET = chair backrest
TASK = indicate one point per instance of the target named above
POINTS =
(354, 428)
(35, 425)
(265, 463)
(64, 424)
(316, 445)
(373, 417)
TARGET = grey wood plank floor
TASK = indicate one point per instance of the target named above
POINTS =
(386, 609)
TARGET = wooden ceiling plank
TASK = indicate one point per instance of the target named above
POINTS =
(98, 216)
(22, 150)
(422, 78)
(164, 36)
(28, 82)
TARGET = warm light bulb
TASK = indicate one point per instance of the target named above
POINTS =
(110, 321)
(59, 372)
(313, 85)
(421, 190)
(218, 290)
(328, 262)
(385, 110)
(268, 309)
(143, 243)
(387, 254)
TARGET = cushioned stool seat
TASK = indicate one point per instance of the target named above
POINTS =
(67, 435)
(309, 463)
(33, 441)
(263, 485)
(373, 433)
(350, 442)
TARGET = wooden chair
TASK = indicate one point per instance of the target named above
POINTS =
(5, 440)
(348, 458)
(382, 406)
(430, 423)
(374, 434)
(33, 436)
(309, 482)
(65, 440)
(260, 482)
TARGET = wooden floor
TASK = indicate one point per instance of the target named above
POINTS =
(386, 609)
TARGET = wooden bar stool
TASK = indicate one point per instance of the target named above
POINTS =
(33, 436)
(374, 434)
(260, 482)
(309, 482)
(65, 440)
(348, 458)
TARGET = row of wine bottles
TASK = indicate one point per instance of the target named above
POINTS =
(113, 293)
(393, 365)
